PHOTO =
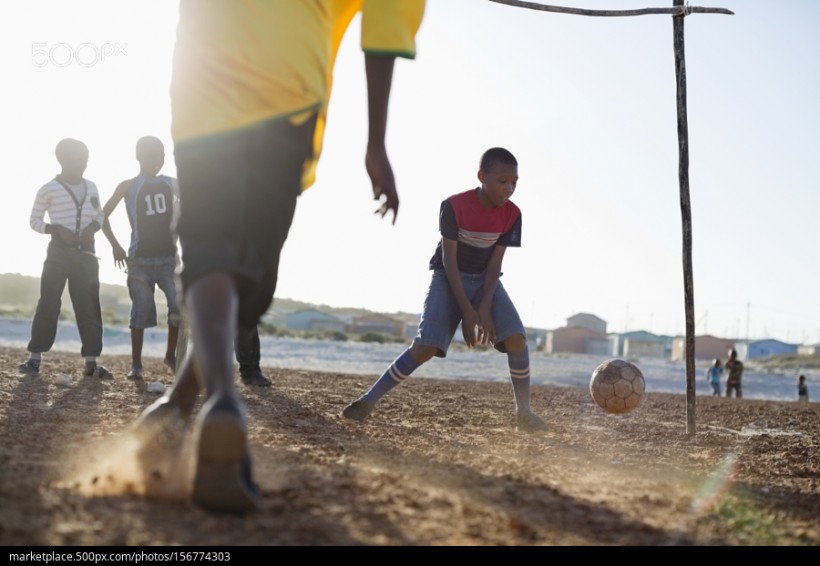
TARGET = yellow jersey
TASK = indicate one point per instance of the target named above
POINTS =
(241, 62)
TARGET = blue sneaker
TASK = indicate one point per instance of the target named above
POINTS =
(31, 367)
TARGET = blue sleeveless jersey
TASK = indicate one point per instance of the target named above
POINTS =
(151, 204)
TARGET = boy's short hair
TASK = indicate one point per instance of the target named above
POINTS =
(67, 147)
(497, 155)
(147, 142)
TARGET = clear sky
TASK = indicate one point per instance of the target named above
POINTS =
(586, 104)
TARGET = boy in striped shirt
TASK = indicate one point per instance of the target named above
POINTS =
(75, 215)
(477, 226)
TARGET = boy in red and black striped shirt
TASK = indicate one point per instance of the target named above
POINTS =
(477, 226)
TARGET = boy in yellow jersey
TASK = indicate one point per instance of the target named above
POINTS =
(249, 94)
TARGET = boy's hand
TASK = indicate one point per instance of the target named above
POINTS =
(487, 335)
(87, 235)
(384, 183)
(66, 235)
(470, 328)
(119, 256)
(487, 325)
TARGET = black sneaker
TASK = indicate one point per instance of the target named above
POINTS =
(223, 480)
(255, 378)
(530, 422)
(358, 410)
(95, 370)
(31, 367)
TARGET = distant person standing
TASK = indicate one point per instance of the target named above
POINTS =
(715, 374)
(151, 201)
(802, 390)
(73, 206)
(734, 371)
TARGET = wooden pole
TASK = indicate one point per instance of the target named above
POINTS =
(678, 12)
(686, 217)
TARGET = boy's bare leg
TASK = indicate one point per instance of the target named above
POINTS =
(171, 348)
(212, 306)
(167, 414)
(137, 336)
(222, 480)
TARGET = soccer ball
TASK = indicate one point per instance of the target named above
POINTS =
(617, 386)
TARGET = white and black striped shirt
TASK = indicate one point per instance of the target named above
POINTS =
(63, 209)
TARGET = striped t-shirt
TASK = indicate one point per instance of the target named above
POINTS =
(64, 209)
(477, 229)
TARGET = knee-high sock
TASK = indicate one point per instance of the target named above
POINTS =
(399, 370)
(519, 363)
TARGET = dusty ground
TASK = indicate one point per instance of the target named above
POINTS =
(439, 463)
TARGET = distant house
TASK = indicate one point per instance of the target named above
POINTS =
(584, 334)
(313, 319)
(598, 345)
(574, 339)
(706, 347)
(588, 321)
(762, 348)
(274, 318)
(808, 350)
(380, 323)
(639, 344)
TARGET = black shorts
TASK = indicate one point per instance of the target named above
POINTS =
(238, 194)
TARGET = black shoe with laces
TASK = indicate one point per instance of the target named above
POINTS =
(31, 367)
(255, 378)
(95, 370)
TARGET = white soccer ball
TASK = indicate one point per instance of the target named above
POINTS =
(617, 386)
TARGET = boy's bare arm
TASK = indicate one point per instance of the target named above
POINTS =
(469, 316)
(485, 308)
(379, 69)
(108, 208)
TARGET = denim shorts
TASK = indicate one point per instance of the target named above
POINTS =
(144, 275)
(441, 317)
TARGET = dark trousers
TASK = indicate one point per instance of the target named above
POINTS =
(735, 386)
(81, 271)
(247, 348)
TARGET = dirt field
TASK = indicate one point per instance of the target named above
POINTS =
(438, 463)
